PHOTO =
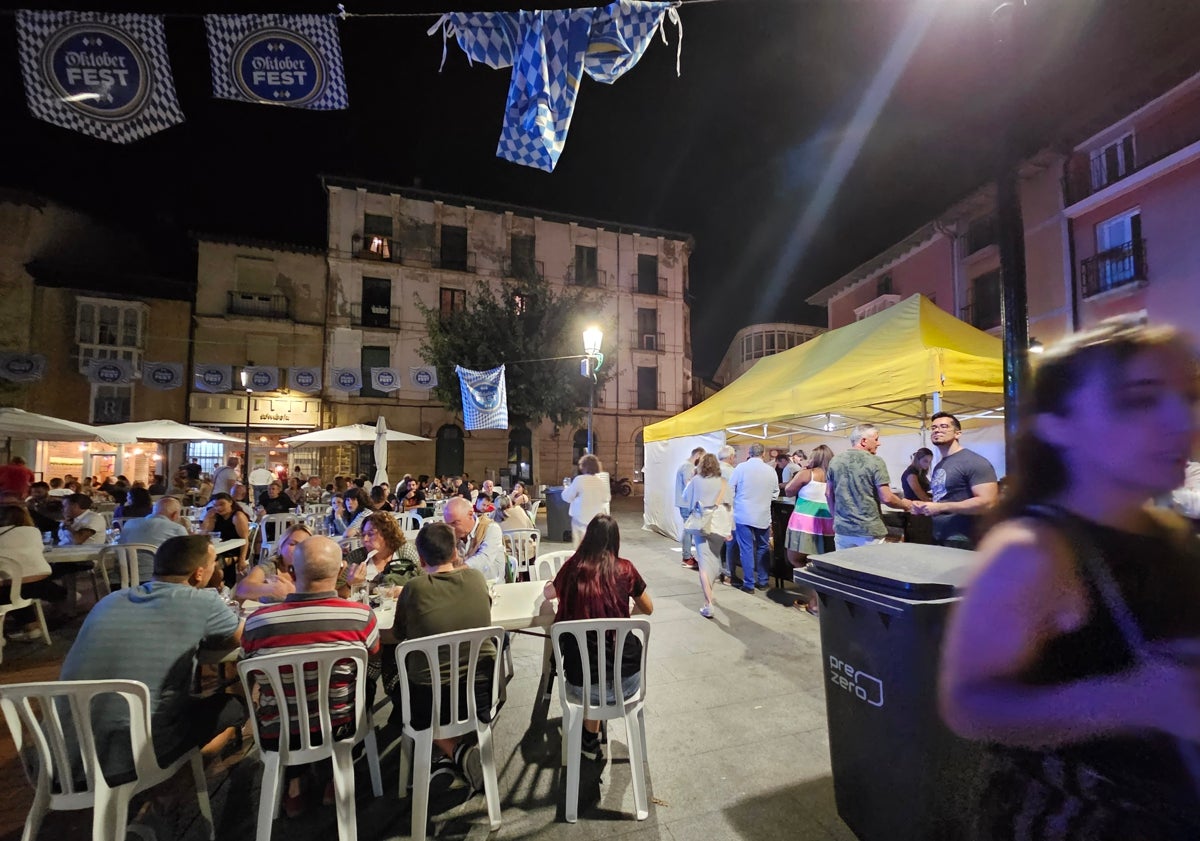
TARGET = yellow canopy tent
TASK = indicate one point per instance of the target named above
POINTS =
(883, 369)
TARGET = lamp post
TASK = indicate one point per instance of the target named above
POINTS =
(246, 459)
(593, 336)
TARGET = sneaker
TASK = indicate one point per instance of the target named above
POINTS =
(470, 765)
(690, 563)
(27, 636)
(706, 611)
(761, 586)
(443, 776)
(591, 748)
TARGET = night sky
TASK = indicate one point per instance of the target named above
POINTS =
(738, 151)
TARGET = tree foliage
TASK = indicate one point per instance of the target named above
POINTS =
(507, 322)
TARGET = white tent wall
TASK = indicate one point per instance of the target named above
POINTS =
(662, 459)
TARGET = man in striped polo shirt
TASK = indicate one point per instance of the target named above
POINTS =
(312, 617)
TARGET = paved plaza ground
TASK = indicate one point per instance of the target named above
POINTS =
(735, 726)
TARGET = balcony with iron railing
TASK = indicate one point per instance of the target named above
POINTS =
(981, 315)
(643, 286)
(877, 304)
(593, 278)
(653, 342)
(378, 316)
(258, 306)
(377, 248)
(648, 401)
(1114, 268)
(523, 269)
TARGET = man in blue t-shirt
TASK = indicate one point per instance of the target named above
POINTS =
(154, 530)
(963, 486)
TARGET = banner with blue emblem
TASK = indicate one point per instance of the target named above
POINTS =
(110, 371)
(305, 380)
(162, 376)
(385, 379)
(484, 398)
(104, 75)
(347, 379)
(22, 367)
(423, 376)
(259, 378)
(293, 60)
(214, 378)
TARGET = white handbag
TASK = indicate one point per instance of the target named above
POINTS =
(718, 520)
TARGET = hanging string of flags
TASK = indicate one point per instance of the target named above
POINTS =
(108, 75)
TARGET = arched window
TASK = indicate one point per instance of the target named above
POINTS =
(448, 460)
(520, 455)
(579, 445)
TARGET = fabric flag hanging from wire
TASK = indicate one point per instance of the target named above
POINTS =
(110, 371)
(484, 398)
(423, 376)
(385, 379)
(104, 75)
(304, 380)
(347, 379)
(162, 376)
(293, 60)
(262, 378)
(214, 378)
(549, 51)
(22, 367)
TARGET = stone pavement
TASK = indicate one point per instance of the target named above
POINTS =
(735, 727)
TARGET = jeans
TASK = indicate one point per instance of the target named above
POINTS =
(754, 554)
(629, 686)
(849, 541)
(685, 541)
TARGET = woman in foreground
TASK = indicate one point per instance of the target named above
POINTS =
(1074, 652)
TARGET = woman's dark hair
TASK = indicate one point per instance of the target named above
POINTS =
(709, 466)
(590, 582)
(820, 458)
(388, 529)
(138, 503)
(15, 515)
(1039, 472)
(924, 452)
(360, 496)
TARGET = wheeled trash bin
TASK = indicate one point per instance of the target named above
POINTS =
(898, 773)
(558, 516)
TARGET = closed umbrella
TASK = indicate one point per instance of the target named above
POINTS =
(381, 445)
(30, 426)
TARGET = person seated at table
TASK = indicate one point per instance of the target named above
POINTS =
(379, 499)
(313, 492)
(274, 501)
(412, 497)
(273, 580)
(163, 522)
(358, 508)
(448, 597)
(238, 492)
(597, 583)
(485, 501)
(311, 617)
(480, 541)
(335, 517)
(137, 504)
(20, 541)
(80, 523)
(151, 633)
(204, 490)
(158, 486)
(232, 524)
(588, 494)
(46, 510)
(520, 496)
(509, 515)
(386, 556)
(295, 491)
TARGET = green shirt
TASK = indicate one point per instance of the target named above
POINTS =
(439, 603)
(854, 478)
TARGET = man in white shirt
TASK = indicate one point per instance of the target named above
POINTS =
(80, 523)
(754, 483)
(154, 530)
(226, 476)
(260, 477)
(682, 476)
(480, 541)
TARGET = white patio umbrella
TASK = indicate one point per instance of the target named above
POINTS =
(169, 430)
(355, 433)
(30, 426)
(381, 445)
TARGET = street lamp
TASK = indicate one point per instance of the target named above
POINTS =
(246, 460)
(593, 336)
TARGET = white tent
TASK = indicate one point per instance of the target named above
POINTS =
(29, 426)
(169, 430)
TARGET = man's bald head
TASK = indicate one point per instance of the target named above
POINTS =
(168, 507)
(317, 561)
(460, 516)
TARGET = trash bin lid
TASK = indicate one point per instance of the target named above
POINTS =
(911, 570)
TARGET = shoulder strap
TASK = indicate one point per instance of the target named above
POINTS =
(721, 495)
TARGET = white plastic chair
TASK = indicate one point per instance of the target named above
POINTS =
(31, 708)
(522, 544)
(279, 523)
(408, 520)
(11, 570)
(547, 565)
(416, 749)
(272, 669)
(315, 512)
(607, 703)
(126, 557)
(533, 512)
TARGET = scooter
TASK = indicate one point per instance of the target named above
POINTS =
(622, 487)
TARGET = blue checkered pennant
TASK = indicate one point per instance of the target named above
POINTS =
(104, 75)
(293, 60)
(484, 398)
(549, 52)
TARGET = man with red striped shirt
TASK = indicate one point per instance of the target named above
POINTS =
(310, 618)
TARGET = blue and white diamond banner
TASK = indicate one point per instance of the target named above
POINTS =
(104, 75)
(22, 367)
(162, 376)
(304, 380)
(385, 379)
(293, 60)
(423, 376)
(260, 378)
(214, 378)
(347, 379)
(110, 371)
(484, 398)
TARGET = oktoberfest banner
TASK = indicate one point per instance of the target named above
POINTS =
(484, 398)
(347, 379)
(22, 367)
(214, 378)
(162, 376)
(385, 379)
(305, 380)
(260, 378)
(110, 371)
(423, 376)
(293, 60)
(104, 75)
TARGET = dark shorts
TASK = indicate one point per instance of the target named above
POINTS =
(422, 703)
(206, 718)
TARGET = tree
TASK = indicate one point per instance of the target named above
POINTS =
(509, 322)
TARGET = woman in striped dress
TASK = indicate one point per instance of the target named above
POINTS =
(810, 528)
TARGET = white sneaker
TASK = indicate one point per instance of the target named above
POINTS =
(706, 612)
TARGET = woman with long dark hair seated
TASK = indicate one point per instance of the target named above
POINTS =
(597, 583)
